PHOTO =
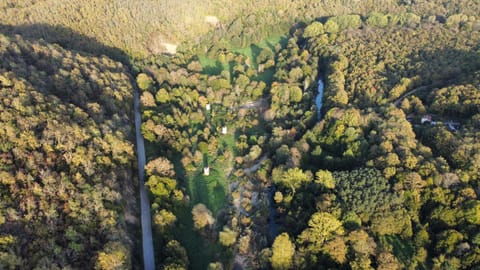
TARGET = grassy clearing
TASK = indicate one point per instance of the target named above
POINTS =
(402, 249)
(213, 66)
(254, 50)
(200, 251)
(211, 190)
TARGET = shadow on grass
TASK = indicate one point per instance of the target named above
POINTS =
(200, 250)
(208, 190)
(266, 76)
(214, 68)
(402, 249)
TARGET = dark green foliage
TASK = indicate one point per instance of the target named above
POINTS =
(365, 192)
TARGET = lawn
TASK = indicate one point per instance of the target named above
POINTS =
(211, 190)
(402, 249)
(212, 66)
(200, 252)
(254, 50)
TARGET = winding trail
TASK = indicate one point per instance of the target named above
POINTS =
(421, 88)
(256, 166)
(147, 243)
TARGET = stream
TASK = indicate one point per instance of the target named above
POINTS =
(147, 243)
(272, 225)
(319, 100)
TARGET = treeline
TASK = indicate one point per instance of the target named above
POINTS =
(68, 198)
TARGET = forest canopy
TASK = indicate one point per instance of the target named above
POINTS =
(293, 135)
(65, 159)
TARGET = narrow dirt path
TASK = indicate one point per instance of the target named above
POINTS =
(421, 88)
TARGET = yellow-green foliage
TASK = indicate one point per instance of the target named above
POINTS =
(140, 27)
(65, 158)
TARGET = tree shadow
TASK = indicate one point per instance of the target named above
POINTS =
(255, 52)
(215, 69)
(65, 37)
(70, 71)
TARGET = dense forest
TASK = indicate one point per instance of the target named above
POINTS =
(66, 184)
(386, 178)
(295, 135)
(144, 27)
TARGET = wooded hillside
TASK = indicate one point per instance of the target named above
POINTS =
(66, 184)
(140, 28)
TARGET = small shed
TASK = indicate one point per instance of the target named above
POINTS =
(224, 130)
(206, 171)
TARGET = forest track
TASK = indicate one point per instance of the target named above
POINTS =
(421, 88)
(437, 84)
(256, 166)
(147, 242)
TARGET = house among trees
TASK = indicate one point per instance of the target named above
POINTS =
(426, 119)
(224, 130)
(208, 107)
(206, 171)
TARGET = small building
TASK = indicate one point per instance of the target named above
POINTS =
(426, 119)
(206, 171)
(224, 130)
(208, 107)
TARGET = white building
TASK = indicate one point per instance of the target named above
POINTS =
(426, 119)
(208, 107)
(206, 171)
(224, 130)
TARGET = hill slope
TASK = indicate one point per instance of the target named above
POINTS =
(142, 27)
(65, 158)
